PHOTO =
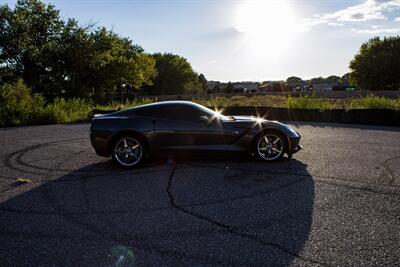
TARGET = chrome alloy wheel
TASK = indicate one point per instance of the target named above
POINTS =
(128, 151)
(270, 147)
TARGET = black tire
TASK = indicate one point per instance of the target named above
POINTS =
(128, 151)
(271, 148)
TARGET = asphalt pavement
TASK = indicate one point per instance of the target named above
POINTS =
(335, 203)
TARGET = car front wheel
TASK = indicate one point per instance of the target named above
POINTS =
(270, 146)
(128, 152)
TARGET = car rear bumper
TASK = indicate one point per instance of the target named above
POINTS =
(99, 145)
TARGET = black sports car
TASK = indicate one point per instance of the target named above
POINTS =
(132, 134)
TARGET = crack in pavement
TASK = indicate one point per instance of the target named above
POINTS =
(130, 241)
(227, 227)
(386, 167)
(365, 186)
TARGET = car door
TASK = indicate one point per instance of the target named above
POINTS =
(180, 127)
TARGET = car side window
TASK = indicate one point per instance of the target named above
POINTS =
(185, 113)
(176, 112)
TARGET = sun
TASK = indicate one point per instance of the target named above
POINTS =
(268, 26)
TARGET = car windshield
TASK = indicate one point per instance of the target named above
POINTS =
(213, 113)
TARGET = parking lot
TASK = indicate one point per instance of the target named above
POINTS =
(336, 203)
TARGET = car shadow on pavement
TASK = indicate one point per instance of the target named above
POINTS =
(181, 210)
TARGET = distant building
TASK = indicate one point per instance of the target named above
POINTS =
(245, 87)
(296, 84)
(238, 87)
(273, 87)
(215, 87)
(324, 86)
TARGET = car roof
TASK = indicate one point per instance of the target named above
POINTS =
(169, 103)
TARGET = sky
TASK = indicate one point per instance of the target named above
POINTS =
(249, 40)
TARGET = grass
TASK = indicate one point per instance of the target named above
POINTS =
(374, 102)
(304, 102)
(18, 106)
(79, 110)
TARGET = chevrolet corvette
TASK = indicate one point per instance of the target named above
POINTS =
(131, 135)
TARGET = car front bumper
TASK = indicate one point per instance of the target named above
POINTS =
(294, 144)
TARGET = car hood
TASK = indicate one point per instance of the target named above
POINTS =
(252, 121)
(257, 123)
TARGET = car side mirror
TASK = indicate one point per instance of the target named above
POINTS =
(205, 120)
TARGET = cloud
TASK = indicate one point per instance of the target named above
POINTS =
(335, 24)
(369, 10)
(374, 30)
(397, 19)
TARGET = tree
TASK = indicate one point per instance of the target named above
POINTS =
(97, 63)
(25, 33)
(175, 76)
(61, 58)
(333, 79)
(279, 87)
(294, 82)
(229, 87)
(345, 80)
(216, 89)
(376, 66)
(318, 80)
(203, 82)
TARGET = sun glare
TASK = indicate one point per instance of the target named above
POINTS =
(268, 26)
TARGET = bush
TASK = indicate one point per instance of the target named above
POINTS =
(309, 102)
(374, 102)
(18, 106)
(243, 101)
(127, 104)
(66, 111)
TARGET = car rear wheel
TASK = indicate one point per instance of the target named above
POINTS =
(270, 146)
(128, 151)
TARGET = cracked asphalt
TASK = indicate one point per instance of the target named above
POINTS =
(336, 203)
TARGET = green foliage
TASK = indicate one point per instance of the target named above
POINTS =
(309, 102)
(25, 35)
(70, 110)
(243, 101)
(79, 110)
(175, 76)
(306, 102)
(293, 81)
(302, 102)
(374, 102)
(377, 66)
(333, 79)
(229, 87)
(203, 82)
(102, 61)
(18, 106)
(318, 80)
(127, 104)
(62, 59)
